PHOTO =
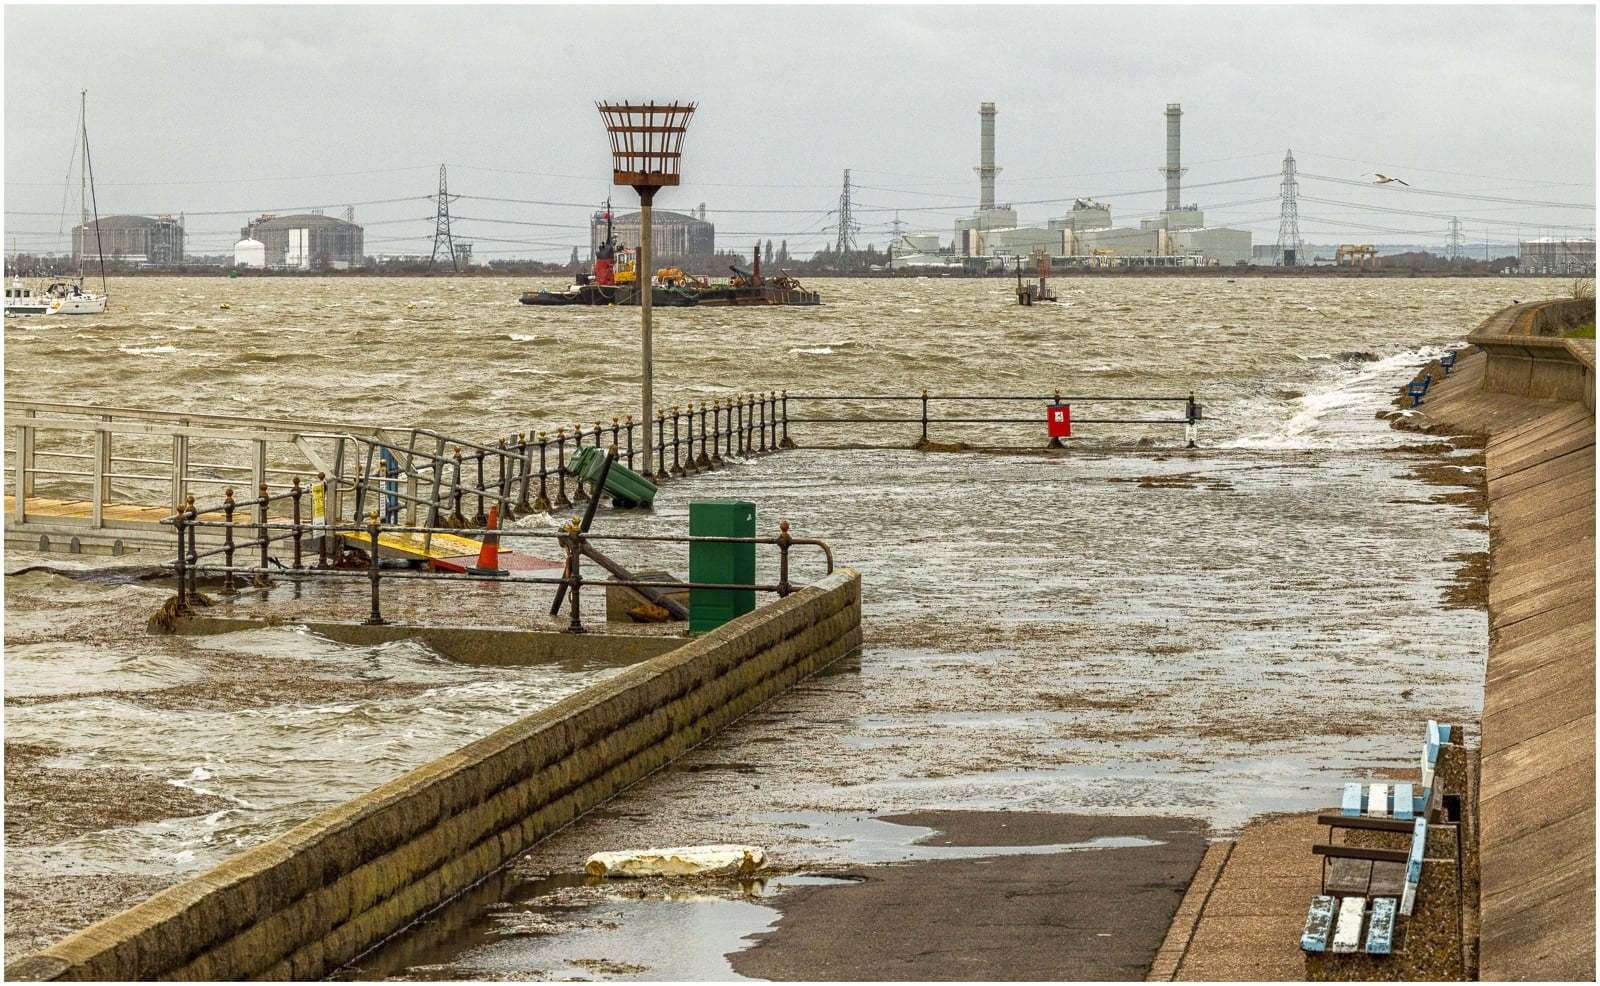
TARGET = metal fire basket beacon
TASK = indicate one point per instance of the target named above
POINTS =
(646, 153)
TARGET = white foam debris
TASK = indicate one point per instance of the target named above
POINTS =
(682, 861)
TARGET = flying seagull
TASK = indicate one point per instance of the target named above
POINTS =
(1385, 179)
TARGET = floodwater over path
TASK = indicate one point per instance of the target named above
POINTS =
(1210, 634)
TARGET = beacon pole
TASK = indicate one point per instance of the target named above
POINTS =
(642, 282)
(646, 154)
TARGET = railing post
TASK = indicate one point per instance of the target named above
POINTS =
(102, 456)
(455, 519)
(739, 406)
(523, 506)
(575, 578)
(787, 441)
(360, 492)
(704, 462)
(180, 469)
(630, 441)
(716, 432)
(579, 495)
(677, 468)
(194, 550)
(22, 486)
(319, 515)
(661, 445)
(772, 419)
(923, 443)
(258, 463)
(507, 512)
(373, 569)
(542, 505)
(480, 519)
(228, 588)
(783, 559)
(616, 435)
(178, 567)
(261, 532)
(688, 424)
(561, 470)
(294, 496)
(1192, 414)
(763, 423)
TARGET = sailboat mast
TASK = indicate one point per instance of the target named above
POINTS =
(88, 170)
(83, 171)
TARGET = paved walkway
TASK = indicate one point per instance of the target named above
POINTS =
(1538, 769)
(1246, 906)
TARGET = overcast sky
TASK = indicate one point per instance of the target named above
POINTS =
(200, 109)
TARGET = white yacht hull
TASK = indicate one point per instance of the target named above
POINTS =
(59, 306)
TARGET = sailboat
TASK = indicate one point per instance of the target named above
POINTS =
(68, 297)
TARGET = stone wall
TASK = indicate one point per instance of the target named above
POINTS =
(305, 903)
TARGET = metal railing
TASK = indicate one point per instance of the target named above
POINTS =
(576, 545)
(925, 417)
(99, 457)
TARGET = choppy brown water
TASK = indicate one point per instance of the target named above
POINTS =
(1041, 634)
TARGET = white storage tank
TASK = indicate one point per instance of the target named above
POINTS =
(249, 253)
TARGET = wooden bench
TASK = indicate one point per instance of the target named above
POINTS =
(1367, 889)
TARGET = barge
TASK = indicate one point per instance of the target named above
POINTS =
(614, 280)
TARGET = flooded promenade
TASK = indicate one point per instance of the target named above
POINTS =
(1127, 632)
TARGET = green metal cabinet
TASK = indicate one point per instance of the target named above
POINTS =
(725, 563)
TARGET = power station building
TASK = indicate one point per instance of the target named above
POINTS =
(309, 241)
(672, 234)
(1177, 235)
(148, 240)
(1555, 255)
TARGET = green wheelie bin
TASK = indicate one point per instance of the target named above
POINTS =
(627, 487)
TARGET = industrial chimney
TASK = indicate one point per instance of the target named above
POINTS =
(986, 169)
(1174, 170)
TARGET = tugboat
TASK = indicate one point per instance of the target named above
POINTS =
(67, 297)
(615, 281)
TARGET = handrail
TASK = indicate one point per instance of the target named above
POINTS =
(190, 562)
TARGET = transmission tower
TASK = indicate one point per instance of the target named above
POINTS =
(846, 244)
(1455, 239)
(441, 224)
(1290, 246)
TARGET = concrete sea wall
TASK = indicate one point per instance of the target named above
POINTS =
(1531, 395)
(1528, 357)
(305, 903)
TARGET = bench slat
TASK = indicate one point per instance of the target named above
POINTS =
(1405, 807)
(1363, 822)
(1380, 933)
(1352, 800)
(1347, 934)
(1361, 852)
(1378, 801)
(1319, 921)
(1419, 841)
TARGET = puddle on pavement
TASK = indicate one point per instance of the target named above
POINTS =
(572, 926)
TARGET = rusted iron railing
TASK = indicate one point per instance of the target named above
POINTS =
(574, 544)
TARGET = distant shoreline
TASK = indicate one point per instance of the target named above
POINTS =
(1152, 272)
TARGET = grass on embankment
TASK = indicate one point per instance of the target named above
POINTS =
(1584, 331)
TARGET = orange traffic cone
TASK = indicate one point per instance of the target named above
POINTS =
(489, 554)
